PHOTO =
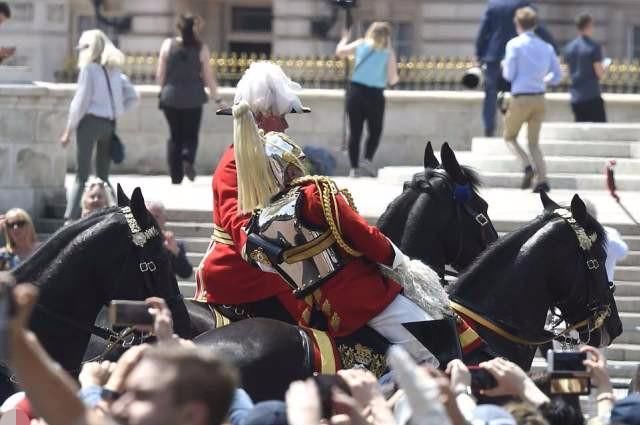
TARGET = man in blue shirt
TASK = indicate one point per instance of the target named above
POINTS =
(529, 64)
(496, 29)
(584, 57)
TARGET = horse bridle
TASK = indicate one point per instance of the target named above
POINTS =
(598, 314)
(462, 206)
(127, 337)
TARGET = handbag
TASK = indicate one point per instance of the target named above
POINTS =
(116, 148)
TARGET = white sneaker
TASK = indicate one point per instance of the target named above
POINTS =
(368, 168)
(354, 172)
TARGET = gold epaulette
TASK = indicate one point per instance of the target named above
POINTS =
(328, 191)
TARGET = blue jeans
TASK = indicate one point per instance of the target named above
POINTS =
(491, 76)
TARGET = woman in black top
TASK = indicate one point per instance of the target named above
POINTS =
(183, 71)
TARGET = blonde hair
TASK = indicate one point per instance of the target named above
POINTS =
(527, 18)
(256, 182)
(20, 214)
(379, 34)
(97, 181)
(95, 46)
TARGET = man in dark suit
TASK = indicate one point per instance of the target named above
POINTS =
(496, 29)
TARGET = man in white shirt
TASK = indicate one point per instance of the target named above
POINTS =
(529, 64)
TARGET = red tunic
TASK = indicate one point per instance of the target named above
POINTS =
(223, 276)
(358, 292)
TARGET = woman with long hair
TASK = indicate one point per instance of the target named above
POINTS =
(19, 236)
(375, 68)
(103, 94)
(183, 70)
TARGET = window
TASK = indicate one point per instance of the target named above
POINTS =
(247, 47)
(401, 37)
(635, 42)
(251, 19)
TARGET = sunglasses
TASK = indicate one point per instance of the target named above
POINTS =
(16, 224)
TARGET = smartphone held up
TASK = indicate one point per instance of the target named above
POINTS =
(130, 313)
(568, 374)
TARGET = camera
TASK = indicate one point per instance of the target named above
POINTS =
(481, 379)
(347, 4)
(568, 374)
(326, 384)
(566, 362)
(129, 313)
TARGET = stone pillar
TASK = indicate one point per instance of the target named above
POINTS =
(39, 30)
(32, 164)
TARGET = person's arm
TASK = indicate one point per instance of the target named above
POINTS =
(161, 70)
(392, 69)
(227, 189)
(484, 35)
(555, 75)
(512, 381)
(509, 64)
(130, 96)
(596, 364)
(344, 48)
(180, 263)
(51, 391)
(207, 74)
(598, 68)
(354, 228)
(79, 104)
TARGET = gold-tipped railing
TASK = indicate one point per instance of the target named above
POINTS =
(416, 73)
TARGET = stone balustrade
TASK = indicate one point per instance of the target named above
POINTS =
(32, 117)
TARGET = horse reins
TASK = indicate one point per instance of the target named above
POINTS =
(597, 318)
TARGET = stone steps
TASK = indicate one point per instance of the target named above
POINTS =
(494, 178)
(606, 149)
(627, 289)
(590, 131)
(555, 165)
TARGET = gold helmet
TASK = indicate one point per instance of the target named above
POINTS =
(265, 164)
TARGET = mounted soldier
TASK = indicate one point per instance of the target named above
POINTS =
(223, 277)
(308, 233)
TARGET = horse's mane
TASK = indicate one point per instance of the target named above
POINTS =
(499, 251)
(49, 250)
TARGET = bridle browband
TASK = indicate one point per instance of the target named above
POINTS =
(462, 206)
(598, 315)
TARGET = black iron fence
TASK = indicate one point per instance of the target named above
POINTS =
(416, 73)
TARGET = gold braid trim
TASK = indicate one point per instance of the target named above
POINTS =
(328, 191)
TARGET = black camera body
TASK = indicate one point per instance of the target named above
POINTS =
(347, 4)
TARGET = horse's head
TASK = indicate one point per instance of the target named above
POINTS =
(556, 260)
(440, 218)
(114, 253)
(581, 288)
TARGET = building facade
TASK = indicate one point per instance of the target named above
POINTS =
(45, 31)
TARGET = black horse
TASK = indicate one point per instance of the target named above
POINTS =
(440, 219)
(557, 260)
(511, 286)
(115, 253)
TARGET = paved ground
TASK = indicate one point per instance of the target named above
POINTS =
(373, 195)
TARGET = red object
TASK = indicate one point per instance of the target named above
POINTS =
(358, 292)
(223, 276)
(611, 181)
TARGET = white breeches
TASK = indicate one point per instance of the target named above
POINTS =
(389, 324)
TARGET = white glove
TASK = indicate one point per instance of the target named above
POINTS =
(422, 391)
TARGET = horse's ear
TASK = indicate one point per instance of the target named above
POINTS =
(547, 203)
(138, 207)
(430, 160)
(451, 165)
(578, 209)
(123, 200)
